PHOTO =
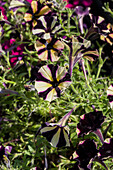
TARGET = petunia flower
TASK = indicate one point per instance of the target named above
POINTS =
(74, 3)
(46, 27)
(107, 34)
(4, 152)
(80, 48)
(81, 13)
(105, 30)
(85, 152)
(49, 49)
(57, 133)
(91, 122)
(51, 81)
(35, 11)
(110, 95)
(106, 150)
(15, 51)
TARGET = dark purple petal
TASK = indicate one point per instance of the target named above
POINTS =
(107, 149)
(85, 152)
(90, 122)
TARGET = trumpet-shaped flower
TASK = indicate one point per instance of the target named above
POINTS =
(57, 133)
(91, 122)
(46, 27)
(86, 150)
(35, 11)
(49, 49)
(107, 149)
(51, 81)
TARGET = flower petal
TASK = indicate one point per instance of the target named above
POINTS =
(52, 95)
(27, 17)
(34, 6)
(42, 86)
(46, 72)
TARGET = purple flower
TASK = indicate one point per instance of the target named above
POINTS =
(51, 81)
(86, 151)
(74, 3)
(107, 149)
(57, 133)
(91, 122)
(49, 49)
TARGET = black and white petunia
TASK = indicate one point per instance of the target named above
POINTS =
(57, 133)
(49, 49)
(51, 81)
(46, 27)
(35, 11)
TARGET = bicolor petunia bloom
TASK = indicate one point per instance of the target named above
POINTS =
(57, 133)
(46, 27)
(85, 152)
(74, 3)
(110, 95)
(91, 122)
(107, 34)
(49, 49)
(80, 49)
(106, 150)
(51, 81)
(35, 11)
(105, 30)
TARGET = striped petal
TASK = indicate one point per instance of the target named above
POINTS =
(58, 45)
(34, 6)
(28, 17)
(46, 72)
(52, 95)
(54, 55)
(57, 136)
(43, 56)
(39, 45)
(42, 86)
(44, 10)
(61, 72)
(64, 85)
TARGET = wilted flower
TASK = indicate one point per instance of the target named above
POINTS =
(110, 95)
(91, 122)
(57, 133)
(81, 13)
(35, 11)
(49, 49)
(46, 26)
(51, 81)
(86, 151)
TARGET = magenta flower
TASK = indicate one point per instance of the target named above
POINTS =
(3, 12)
(74, 3)
(15, 51)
